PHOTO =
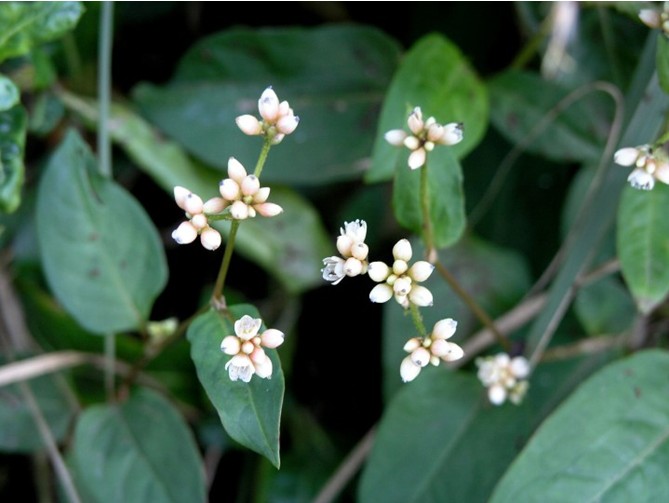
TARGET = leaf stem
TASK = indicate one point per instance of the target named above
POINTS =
(110, 361)
(417, 319)
(217, 295)
(104, 86)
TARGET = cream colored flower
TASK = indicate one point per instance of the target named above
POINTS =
(432, 349)
(649, 166)
(424, 136)
(244, 195)
(351, 245)
(197, 223)
(278, 118)
(246, 349)
(504, 377)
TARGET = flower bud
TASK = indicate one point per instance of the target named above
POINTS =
(381, 293)
(248, 347)
(264, 368)
(626, 156)
(180, 195)
(400, 267)
(421, 296)
(453, 133)
(520, 367)
(268, 105)
(420, 356)
(214, 205)
(641, 179)
(412, 344)
(447, 351)
(231, 345)
(352, 267)
(239, 210)
(193, 204)
(650, 18)
(395, 137)
(360, 251)
(185, 233)
(378, 271)
(268, 209)
(250, 185)
(287, 124)
(421, 270)
(435, 132)
(199, 221)
(662, 172)
(272, 338)
(235, 170)
(417, 158)
(261, 195)
(229, 189)
(415, 121)
(402, 250)
(411, 142)
(278, 138)
(496, 394)
(409, 370)
(249, 125)
(210, 238)
(444, 329)
(344, 245)
(402, 286)
(257, 354)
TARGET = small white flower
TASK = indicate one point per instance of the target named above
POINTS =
(353, 250)
(504, 377)
(278, 118)
(641, 179)
(246, 349)
(333, 270)
(244, 194)
(424, 135)
(409, 370)
(649, 166)
(196, 212)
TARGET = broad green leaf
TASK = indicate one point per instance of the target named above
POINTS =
(250, 412)
(13, 124)
(441, 440)
(334, 78)
(605, 307)
(289, 246)
(520, 105)
(138, 450)
(25, 24)
(609, 441)
(435, 76)
(101, 254)
(9, 93)
(18, 430)
(445, 195)
(663, 61)
(497, 278)
(643, 244)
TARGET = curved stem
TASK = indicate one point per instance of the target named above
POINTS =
(217, 295)
(473, 305)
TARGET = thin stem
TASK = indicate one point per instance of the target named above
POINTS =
(47, 437)
(110, 361)
(104, 86)
(428, 236)
(225, 264)
(417, 319)
(473, 305)
(267, 144)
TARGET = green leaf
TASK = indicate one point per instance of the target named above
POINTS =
(13, 124)
(663, 61)
(289, 246)
(520, 104)
(496, 277)
(604, 443)
(18, 430)
(101, 254)
(25, 24)
(334, 77)
(9, 93)
(445, 195)
(605, 307)
(441, 440)
(643, 244)
(139, 450)
(250, 412)
(435, 76)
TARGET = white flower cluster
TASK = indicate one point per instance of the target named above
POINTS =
(504, 377)
(432, 349)
(242, 196)
(354, 251)
(425, 135)
(246, 349)
(648, 166)
(278, 118)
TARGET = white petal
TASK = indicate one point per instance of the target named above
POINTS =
(421, 270)
(247, 327)
(444, 329)
(402, 250)
(395, 137)
(409, 370)
(421, 296)
(381, 293)
(356, 230)
(626, 156)
(185, 233)
(333, 270)
(641, 179)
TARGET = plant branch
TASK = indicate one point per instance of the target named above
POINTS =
(217, 295)
(104, 87)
